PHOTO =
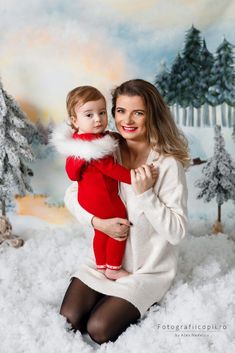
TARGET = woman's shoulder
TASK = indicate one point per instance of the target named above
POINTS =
(167, 161)
(171, 166)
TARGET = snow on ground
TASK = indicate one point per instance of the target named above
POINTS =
(33, 280)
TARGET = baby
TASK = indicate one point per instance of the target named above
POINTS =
(90, 162)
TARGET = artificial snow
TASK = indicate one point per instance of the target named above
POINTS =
(33, 280)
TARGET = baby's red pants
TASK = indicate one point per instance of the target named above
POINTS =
(108, 251)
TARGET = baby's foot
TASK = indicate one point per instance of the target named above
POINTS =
(113, 274)
(102, 270)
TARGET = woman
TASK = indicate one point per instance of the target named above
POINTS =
(157, 218)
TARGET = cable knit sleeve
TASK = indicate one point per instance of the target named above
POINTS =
(165, 205)
(70, 200)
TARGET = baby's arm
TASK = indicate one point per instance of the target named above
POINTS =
(112, 169)
(74, 167)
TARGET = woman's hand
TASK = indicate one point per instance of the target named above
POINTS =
(143, 178)
(116, 228)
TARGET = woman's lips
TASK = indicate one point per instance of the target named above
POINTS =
(129, 128)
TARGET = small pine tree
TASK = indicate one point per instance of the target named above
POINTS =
(162, 80)
(14, 150)
(207, 61)
(50, 127)
(222, 80)
(178, 79)
(42, 134)
(39, 141)
(219, 176)
(191, 56)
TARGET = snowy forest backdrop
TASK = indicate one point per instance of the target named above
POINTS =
(190, 61)
(50, 46)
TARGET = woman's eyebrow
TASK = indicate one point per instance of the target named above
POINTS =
(135, 110)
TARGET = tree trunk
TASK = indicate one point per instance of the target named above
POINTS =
(233, 116)
(219, 213)
(184, 120)
(174, 112)
(191, 116)
(3, 208)
(223, 115)
(206, 119)
(199, 110)
(214, 116)
(177, 114)
(217, 226)
(229, 116)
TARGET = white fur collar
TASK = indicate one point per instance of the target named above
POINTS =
(65, 144)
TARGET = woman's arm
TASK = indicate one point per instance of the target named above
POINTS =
(114, 227)
(167, 210)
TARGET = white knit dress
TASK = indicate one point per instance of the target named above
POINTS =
(159, 218)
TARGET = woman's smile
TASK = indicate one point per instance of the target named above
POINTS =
(129, 128)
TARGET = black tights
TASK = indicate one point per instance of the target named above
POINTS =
(103, 317)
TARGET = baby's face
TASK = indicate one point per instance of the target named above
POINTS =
(91, 117)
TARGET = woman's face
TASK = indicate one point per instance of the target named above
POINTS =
(130, 117)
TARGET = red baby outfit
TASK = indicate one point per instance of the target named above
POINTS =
(98, 174)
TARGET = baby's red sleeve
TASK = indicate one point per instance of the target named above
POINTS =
(74, 167)
(112, 169)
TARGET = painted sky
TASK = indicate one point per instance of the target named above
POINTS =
(48, 47)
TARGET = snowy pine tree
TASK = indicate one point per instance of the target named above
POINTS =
(14, 150)
(42, 134)
(39, 141)
(179, 80)
(162, 81)
(218, 179)
(176, 83)
(192, 58)
(198, 79)
(222, 82)
(165, 82)
(50, 127)
(207, 61)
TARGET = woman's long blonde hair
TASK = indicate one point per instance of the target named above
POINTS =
(162, 132)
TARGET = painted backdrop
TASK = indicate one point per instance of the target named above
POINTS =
(49, 47)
